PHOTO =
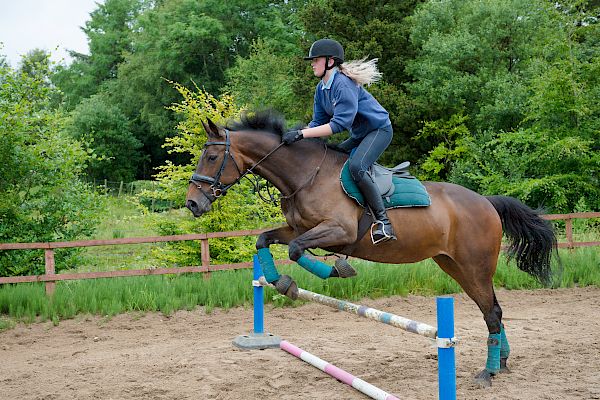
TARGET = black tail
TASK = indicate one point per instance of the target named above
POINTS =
(532, 239)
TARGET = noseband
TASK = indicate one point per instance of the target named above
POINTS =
(217, 187)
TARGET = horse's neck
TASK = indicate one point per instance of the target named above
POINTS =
(289, 166)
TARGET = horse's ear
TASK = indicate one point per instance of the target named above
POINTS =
(206, 127)
(212, 129)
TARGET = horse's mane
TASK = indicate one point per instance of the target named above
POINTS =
(263, 120)
(271, 121)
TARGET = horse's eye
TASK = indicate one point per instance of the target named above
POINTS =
(212, 157)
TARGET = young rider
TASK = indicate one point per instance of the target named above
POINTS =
(342, 103)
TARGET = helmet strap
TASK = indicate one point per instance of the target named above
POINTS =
(327, 67)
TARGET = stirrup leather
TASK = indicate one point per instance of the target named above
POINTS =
(379, 234)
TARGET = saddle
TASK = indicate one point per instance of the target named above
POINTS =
(397, 186)
(383, 177)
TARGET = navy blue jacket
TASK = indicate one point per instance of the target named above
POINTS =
(346, 105)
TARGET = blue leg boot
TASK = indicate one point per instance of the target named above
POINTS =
(315, 267)
(284, 284)
(492, 365)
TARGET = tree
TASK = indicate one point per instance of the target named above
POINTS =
(525, 77)
(109, 39)
(189, 42)
(41, 197)
(476, 57)
(265, 79)
(541, 170)
(100, 122)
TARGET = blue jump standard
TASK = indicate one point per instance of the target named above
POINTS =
(258, 339)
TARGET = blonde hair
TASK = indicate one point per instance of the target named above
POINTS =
(361, 71)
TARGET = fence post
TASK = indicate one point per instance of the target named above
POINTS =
(569, 232)
(120, 188)
(205, 257)
(49, 268)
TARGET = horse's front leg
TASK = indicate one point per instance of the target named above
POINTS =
(328, 233)
(283, 283)
(281, 235)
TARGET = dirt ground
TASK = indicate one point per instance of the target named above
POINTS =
(553, 335)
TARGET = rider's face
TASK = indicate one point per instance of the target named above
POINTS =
(318, 66)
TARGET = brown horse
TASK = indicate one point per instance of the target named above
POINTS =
(461, 230)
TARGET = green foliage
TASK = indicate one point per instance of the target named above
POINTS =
(523, 75)
(41, 197)
(98, 120)
(535, 167)
(240, 209)
(264, 79)
(184, 41)
(474, 56)
(507, 66)
(108, 32)
(453, 135)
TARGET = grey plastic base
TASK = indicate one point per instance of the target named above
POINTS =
(255, 341)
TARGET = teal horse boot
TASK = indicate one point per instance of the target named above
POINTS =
(492, 365)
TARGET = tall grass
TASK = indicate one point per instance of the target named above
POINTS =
(166, 294)
(226, 289)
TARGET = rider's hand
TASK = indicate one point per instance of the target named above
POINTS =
(292, 136)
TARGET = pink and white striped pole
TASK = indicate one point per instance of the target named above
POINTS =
(339, 374)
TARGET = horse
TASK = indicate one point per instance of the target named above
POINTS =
(461, 230)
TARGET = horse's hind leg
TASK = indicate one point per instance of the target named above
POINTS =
(329, 233)
(476, 280)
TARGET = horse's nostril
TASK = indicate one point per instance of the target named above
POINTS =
(191, 204)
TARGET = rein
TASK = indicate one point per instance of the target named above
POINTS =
(219, 189)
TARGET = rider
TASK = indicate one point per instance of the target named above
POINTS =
(341, 103)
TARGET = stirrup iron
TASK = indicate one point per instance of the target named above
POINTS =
(381, 236)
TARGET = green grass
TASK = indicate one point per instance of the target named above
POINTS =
(122, 219)
(108, 297)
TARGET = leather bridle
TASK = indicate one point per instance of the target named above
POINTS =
(217, 187)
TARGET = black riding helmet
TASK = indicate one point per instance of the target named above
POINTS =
(327, 48)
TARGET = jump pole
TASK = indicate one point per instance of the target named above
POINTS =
(338, 373)
(408, 325)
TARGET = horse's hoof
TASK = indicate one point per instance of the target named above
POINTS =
(343, 269)
(484, 378)
(503, 368)
(286, 286)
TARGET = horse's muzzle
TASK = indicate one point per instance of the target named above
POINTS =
(198, 209)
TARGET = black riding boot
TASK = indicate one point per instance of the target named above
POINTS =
(382, 229)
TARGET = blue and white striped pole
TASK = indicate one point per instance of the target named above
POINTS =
(446, 353)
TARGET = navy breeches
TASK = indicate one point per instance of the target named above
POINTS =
(367, 151)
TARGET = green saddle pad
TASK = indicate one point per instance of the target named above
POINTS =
(408, 192)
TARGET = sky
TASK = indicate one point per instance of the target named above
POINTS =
(52, 25)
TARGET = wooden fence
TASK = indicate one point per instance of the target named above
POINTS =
(50, 276)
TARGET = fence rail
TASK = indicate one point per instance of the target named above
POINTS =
(50, 277)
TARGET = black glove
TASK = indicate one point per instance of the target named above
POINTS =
(292, 136)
